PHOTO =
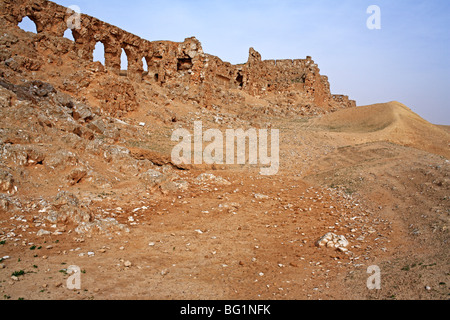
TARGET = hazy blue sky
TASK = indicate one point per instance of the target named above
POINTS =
(408, 60)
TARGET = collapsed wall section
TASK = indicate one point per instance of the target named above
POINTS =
(182, 63)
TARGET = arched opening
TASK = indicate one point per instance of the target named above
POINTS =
(145, 66)
(99, 53)
(28, 25)
(123, 63)
(69, 35)
(184, 64)
(240, 80)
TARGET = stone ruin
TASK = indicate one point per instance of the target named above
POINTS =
(169, 62)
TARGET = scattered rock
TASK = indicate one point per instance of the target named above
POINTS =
(164, 272)
(5, 98)
(261, 197)
(97, 126)
(127, 264)
(6, 182)
(61, 159)
(154, 178)
(24, 155)
(76, 175)
(102, 226)
(331, 240)
(43, 232)
(181, 184)
(82, 112)
(208, 177)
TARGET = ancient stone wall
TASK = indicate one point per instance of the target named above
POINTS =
(173, 62)
(344, 101)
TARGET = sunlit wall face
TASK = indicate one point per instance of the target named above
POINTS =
(406, 59)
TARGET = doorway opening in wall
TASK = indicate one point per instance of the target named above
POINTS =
(99, 53)
(184, 64)
(28, 25)
(240, 80)
(123, 63)
(69, 35)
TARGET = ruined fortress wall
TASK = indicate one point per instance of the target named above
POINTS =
(173, 62)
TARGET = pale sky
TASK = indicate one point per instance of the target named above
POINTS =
(408, 60)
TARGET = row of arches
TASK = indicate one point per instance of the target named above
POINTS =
(99, 56)
(29, 25)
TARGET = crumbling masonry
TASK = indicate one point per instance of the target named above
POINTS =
(171, 62)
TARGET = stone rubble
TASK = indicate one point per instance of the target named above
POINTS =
(331, 240)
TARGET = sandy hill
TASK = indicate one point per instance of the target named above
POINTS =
(393, 122)
(446, 128)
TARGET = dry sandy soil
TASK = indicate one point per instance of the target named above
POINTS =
(217, 240)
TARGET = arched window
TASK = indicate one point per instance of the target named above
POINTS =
(124, 60)
(123, 63)
(145, 66)
(99, 53)
(28, 25)
(69, 35)
(144, 63)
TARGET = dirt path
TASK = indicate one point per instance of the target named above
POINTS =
(254, 237)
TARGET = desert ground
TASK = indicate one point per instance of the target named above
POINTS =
(239, 235)
(83, 185)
